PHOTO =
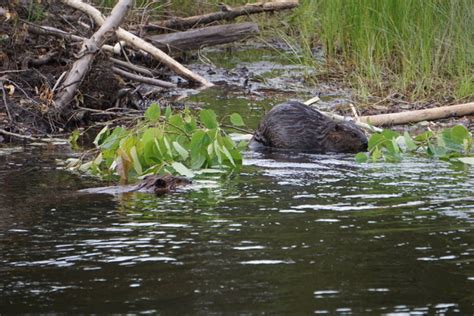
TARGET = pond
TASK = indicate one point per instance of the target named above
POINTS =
(294, 234)
(287, 234)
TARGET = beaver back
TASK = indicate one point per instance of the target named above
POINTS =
(296, 126)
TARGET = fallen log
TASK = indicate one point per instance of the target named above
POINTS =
(141, 44)
(419, 115)
(206, 36)
(227, 13)
(87, 54)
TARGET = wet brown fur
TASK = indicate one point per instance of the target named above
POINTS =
(160, 184)
(296, 126)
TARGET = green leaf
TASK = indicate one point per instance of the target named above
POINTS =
(436, 151)
(168, 112)
(190, 124)
(176, 121)
(453, 138)
(73, 139)
(424, 136)
(198, 160)
(389, 134)
(113, 140)
(136, 161)
(150, 134)
(182, 169)
(217, 151)
(208, 118)
(375, 140)
(181, 151)
(101, 136)
(236, 119)
(150, 154)
(210, 150)
(410, 144)
(242, 145)
(197, 139)
(460, 132)
(168, 147)
(153, 112)
(376, 154)
(226, 152)
(361, 157)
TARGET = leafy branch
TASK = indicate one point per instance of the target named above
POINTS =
(453, 144)
(168, 143)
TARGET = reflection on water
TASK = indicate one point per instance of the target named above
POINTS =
(294, 234)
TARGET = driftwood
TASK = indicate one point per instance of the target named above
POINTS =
(420, 115)
(143, 70)
(87, 54)
(140, 44)
(227, 13)
(206, 36)
(147, 80)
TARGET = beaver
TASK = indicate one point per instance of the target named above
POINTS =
(297, 126)
(160, 184)
(157, 184)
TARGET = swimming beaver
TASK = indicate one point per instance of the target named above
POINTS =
(160, 184)
(150, 184)
(296, 126)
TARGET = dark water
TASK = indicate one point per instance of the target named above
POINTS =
(292, 234)
(289, 234)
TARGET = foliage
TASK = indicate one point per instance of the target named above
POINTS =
(454, 143)
(422, 48)
(175, 143)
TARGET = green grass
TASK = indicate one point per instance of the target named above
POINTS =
(423, 48)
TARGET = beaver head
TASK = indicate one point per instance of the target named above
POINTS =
(296, 126)
(346, 137)
(161, 184)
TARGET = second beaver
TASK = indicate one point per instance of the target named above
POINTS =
(158, 184)
(296, 126)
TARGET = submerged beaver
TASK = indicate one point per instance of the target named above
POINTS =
(296, 126)
(157, 184)
(160, 184)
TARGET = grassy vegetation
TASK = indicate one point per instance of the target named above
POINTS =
(420, 48)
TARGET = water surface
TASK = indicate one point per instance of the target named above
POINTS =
(290, 234)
